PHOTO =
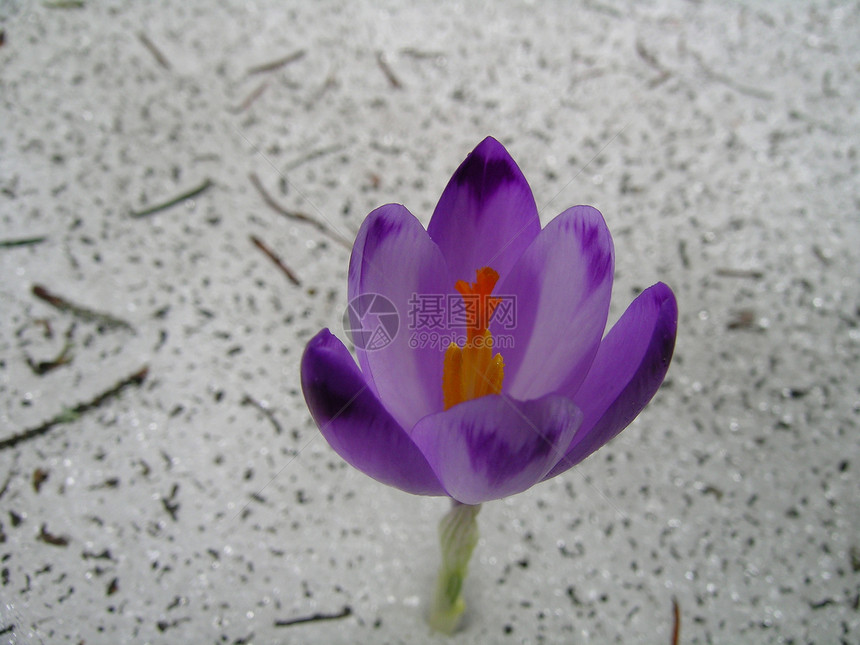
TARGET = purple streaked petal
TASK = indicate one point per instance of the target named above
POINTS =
(562, 285)
(627, 371)
(487, 214)
(494, 446)
(393, 256)
(356, 424)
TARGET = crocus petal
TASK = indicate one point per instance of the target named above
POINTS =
(561, 285)
(487, 214)
(627, 371)
(494, 446)
(356, 424)
(393, 256)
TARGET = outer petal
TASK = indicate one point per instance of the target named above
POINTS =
(493, 446)
(628, 370)
(356, 424)
(562, 285)
(487, 214)
(393, 256)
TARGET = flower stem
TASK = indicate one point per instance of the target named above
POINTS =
(458, 535)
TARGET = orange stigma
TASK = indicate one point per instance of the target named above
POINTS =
(479, 304)
(473, 371)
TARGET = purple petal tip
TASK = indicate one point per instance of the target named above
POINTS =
(486, 169)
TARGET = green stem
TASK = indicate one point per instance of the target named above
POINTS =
(458, 535)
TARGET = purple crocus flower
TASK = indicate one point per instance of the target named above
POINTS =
(473, 421)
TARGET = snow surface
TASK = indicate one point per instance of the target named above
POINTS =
(720, 140)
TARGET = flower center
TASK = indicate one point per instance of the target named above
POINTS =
(473, 371)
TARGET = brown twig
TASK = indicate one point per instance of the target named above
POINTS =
(729, 81)
(248, 400)
(160, 58)
(650, 58)
(5, 486)
(329, 83)
(739, 273)
(420, 54)
(274, 258)
(39, 477)
(64, 4)
(682, 251)
(27, 241)
(676, 629)
(172, 202)
(70, 415)
(40, 368)
(821, 255)
(171, 506)
(270, 201)
(313, 154)
(76, 310)
(50, 538)
(249, 100)
(277, 64)
(386, 69)
(346, 611)
(660, 79)
(743, 319)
